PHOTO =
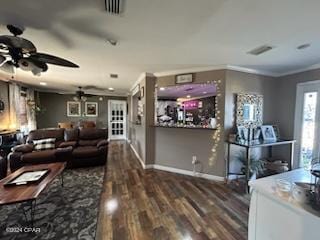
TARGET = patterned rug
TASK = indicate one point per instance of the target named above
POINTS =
(64, 213)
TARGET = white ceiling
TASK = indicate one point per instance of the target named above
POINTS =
(163, 35)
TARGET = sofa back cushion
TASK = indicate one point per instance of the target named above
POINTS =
(71, 134)
(56, 133)
(93, 142)
(92, 134)
(44, 144)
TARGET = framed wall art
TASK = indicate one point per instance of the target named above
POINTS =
(73, 109)
(91, 109)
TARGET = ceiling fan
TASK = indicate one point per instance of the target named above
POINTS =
(81, 95)
(18, 52)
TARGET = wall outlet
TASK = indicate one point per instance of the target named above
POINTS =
(194, 160)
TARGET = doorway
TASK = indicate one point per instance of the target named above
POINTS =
(117, 115)
(307, 132)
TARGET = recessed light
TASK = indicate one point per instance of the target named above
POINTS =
(303, 46)
(188, 96)
(43, 83)
(162, 89)
(111, 89)
(260, 50)
(204, 92)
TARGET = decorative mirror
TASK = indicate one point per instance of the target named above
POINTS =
(249, 110)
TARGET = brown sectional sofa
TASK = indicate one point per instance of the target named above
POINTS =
(78, 147)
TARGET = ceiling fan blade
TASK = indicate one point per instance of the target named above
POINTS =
(17, 42)
(43, 57)
(2, 60)
(91, 87)
(39, 64)
(7, 67)
(89, 95)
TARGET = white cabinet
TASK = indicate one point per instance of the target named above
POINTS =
(276, 218)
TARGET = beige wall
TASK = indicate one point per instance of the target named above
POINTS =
(4, 116)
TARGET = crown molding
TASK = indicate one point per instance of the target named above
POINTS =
(140, 78)
(301, 70)
(190, 70)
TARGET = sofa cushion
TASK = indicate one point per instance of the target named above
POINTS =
(102, 143)
(39, 156)
(71, 135)
(44, 144)
(90, 134)
(58, 134)
(88, 142)
(72, 144)
(23, 148)
(85, 152)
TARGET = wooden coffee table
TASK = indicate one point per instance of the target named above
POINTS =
(30, 192)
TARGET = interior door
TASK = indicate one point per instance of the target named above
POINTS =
(307, 132)
(117, 119)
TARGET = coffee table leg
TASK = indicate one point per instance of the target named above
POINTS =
(32, 209)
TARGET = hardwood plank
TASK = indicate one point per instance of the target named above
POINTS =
(154, 204)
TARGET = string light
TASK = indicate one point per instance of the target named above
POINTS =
(217, 133)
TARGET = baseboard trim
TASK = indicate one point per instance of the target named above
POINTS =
(137, 155)
(185, 172)
(176, 170)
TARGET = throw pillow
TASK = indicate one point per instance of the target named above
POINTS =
(44, 144)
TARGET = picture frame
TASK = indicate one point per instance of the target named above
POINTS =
(73, 109)
(256, 133)
(276, 131)
(184, 78)
(242, 132)
(268, 133)
(91, 109)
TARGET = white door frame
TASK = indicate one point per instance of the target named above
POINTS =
(124, 136)
(302, 88)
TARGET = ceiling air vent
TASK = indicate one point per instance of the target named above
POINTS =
(114, 6)
(259, 50)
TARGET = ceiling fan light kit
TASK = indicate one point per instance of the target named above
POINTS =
(18, 52)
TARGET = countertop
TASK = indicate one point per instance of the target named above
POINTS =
(201, 128)
(266, 186)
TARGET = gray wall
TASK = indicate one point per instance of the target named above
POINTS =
(286, 99)
(56, 110)
(142, 136)
(4, 116)
(175, 147)
(239, 82)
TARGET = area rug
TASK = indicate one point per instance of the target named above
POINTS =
(64, 213)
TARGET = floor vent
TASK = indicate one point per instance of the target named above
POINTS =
(114, 6)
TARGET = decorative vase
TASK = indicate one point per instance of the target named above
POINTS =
(213, 122)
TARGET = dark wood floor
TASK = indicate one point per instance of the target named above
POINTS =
(151, 204)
